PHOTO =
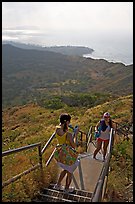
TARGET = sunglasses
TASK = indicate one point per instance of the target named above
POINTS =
(106, 116)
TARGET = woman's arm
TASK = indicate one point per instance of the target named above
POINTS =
(70, 140)
(114, 125)
(96, 127)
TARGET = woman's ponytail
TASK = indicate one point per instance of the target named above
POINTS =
(63, 119)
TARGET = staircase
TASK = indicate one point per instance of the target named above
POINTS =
(51, 195)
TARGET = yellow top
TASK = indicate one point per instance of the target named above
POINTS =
(62, 139)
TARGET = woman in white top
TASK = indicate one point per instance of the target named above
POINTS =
(105, 125)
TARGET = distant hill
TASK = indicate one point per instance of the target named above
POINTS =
(67, 50)
(32, 74)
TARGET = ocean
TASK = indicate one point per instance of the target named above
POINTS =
(121, 52)
(124, 58)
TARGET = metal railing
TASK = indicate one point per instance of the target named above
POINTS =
(101, 184)
(13, 151)
(98, 194)
(40, 153)
(48, 142)
(88, 138)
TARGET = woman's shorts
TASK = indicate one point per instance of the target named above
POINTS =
(102, 140)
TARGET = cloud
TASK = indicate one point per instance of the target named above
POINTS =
(71, 21)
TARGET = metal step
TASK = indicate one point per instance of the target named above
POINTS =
(52, 195)
(77, 195)
(77, 192)
(51, 198)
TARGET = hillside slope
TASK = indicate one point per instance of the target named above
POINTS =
(23, 125)
(26, 72)
(26, 124)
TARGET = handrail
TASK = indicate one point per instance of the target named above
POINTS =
(48, 142)
(40, 151)
(20, 175)
(50, 158)
(8, 152)
(98, 193)
(11, 151)
(88, 137)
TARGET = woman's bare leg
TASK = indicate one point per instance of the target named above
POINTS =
(63, 173)
(99, 144)
(105, 145)
(68, 180)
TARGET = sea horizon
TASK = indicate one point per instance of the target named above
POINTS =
(122, 60)
(112, 53)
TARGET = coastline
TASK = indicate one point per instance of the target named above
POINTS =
(92, 55)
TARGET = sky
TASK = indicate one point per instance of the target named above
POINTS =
(67, 23)
(106, 27)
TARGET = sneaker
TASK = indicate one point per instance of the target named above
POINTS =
(58, 187)
(69, 190)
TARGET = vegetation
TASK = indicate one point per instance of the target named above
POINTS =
(120, 180)
(37, 86)
(33, 75)
(31, 123)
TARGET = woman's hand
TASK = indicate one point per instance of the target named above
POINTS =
(76, 130)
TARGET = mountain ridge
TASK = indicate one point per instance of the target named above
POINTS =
(67, 50)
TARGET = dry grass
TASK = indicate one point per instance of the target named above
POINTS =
(121, 174)
(24, 119)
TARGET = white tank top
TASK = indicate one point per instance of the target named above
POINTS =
(106, 134)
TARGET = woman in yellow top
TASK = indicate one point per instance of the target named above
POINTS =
(65, 138)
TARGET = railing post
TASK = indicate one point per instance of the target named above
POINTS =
(86, 141)
(81, 137)
(91, 134)
(40, 156)
(88, 137)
